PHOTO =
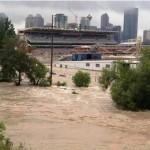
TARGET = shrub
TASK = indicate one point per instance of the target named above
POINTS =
(37, 71)
(74, 92)
(44, 82)
(6, 143)
(61, 84)
(81, 79)
(130, 87)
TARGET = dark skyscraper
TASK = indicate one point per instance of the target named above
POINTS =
(104, 21)
(117, 36)
(130, 23)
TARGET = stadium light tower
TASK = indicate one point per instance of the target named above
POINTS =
(51, 63)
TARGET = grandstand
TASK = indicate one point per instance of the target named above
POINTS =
(63, 38)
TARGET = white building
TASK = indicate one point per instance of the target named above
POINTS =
(91, 65)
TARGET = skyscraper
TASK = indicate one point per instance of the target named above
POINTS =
(38, 21)
(104, 21)
(130, 23)
(29, 21)
(60, 21)
(117, 35)
(146, 37)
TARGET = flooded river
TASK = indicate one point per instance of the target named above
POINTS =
(54, 118)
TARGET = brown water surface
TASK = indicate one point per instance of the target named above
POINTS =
(54, 118)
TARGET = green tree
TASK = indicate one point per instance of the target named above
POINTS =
(130, 87)
(81, 79)
(21, 65)
(6, 31)
(36, 72)
(7, 46)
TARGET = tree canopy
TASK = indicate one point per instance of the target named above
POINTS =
(130, 87)
(15, 60)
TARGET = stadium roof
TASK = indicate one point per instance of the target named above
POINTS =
(47, 29)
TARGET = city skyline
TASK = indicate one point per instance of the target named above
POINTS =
(115, 10)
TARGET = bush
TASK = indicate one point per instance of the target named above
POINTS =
(6, 143)
(61, 84)
(81, 79)
(130, 87)
(36, 72)
(44, 82)
(74, 92)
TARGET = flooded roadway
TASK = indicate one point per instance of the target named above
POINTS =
(54, 118)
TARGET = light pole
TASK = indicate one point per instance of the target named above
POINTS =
(51, 64)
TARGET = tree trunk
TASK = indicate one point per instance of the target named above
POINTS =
(19, 79)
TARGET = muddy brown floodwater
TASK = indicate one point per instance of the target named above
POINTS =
(53, 118)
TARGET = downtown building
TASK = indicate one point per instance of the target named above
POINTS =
(130, 24)
(60, 21)
(146, 37)
(85, 22)
(37, 21)
(104, 21)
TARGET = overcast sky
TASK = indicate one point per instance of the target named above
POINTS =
(17, 11)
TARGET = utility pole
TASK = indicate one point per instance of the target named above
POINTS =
(51, 71)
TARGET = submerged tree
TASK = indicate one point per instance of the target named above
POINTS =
(36, 72)
(130, 87)
(15, 60)
(81, 79)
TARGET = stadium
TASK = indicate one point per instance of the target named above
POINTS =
(64, 39)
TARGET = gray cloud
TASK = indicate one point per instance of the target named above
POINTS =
(118, 6)
(17, 11)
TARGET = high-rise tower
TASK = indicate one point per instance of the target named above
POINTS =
(104, 21)
(29, 21)
(60, 21)
(38, 21)
(130, 23)
(146, 37)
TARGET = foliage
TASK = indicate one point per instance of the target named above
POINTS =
(44, 83)
(74, 92)
(61, 84)
(37, 71)
(6, 143)
(81, 79)
(14, 59)
(6, 31)
(130, 87)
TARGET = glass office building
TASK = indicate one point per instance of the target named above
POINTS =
(130, 24)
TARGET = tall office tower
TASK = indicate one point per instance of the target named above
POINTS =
(29, 21)
(84, 23)
(104, 21)
(117, 36)
(146, 37)
(60, 21)
(3, 16)
(38, 21)
(130, 23)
